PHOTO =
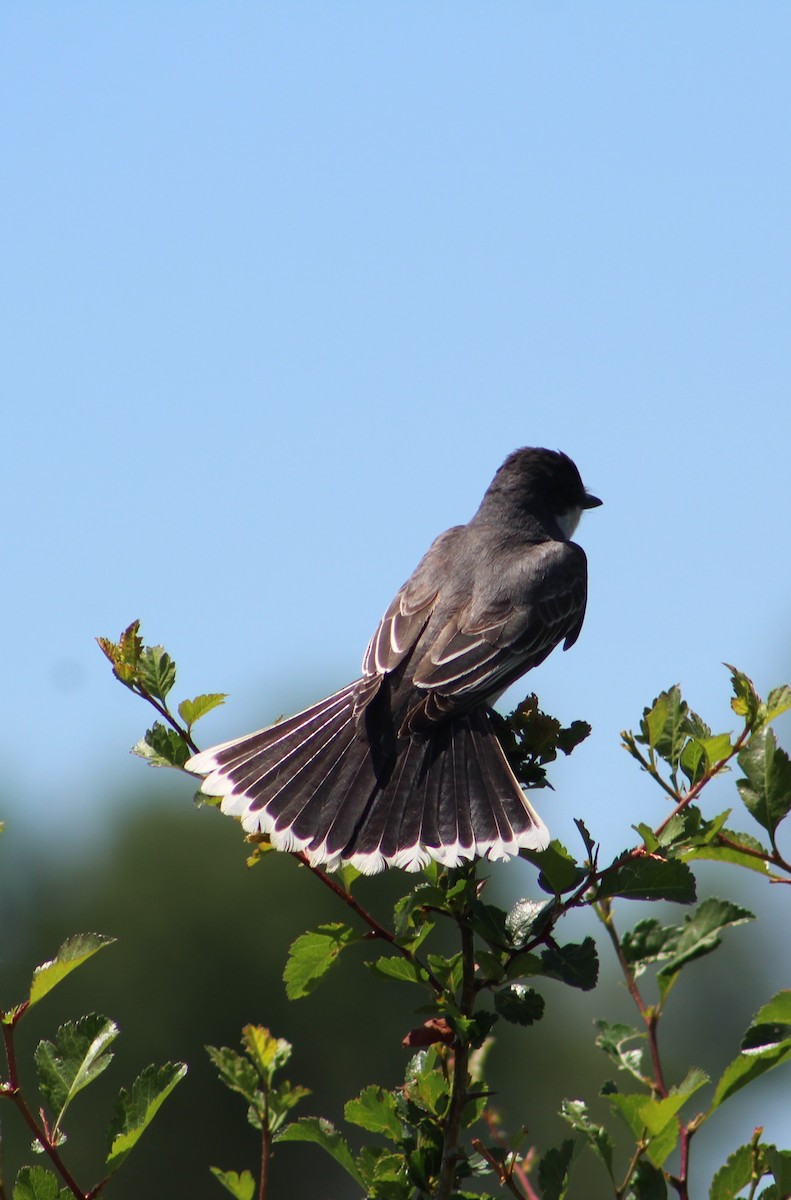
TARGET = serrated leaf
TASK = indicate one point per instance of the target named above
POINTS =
(241, 1186)
(235, 1071)
(766, 1050)
(323, 1133)
(733, 1175)
(779, 1163)
(560, 872)
(648, 942)
(574, 964)
(699, 935)
(664, 726)
(648, 1183)
(313, 954)
(72, 954)
(746, 702)
(524, 919)
(125, 653)
(647, 878)
(78, 1054)
(717, 851)
(641, 1113)
(650, 840)
(778, 701)
(614, 1041)
(425, 1083)
(156, 671)
(597, 1137)
(191, 711)
(137, 1108)
(766, 790)
(375, 1110)
(489, 922)
(703, 752)
(267, 1053)
(37, 1183)
(396, 968)
(554, 1170)
(519, 1004)
(162, 747)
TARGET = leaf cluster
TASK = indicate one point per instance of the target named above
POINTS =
(439, 1132)
(79, 1053)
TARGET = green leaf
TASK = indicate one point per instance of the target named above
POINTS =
(778, 701)
(717, 851)
(78, 1054)
(766, 790)
(125, 653)
(648, 1183)
(519, 1004)
(137, 1108)
(266, 1053)
(396, 968)
(652, 1118)
(645, 878)
(526, 918)
(650, 840)
(376, 1110)
(699, 935)
(523, 965)
(656, 1118)
(574, 964)
(72, 954)
(614, 1041)
(768, 1046)
(664, 727)
(162, 747)
(779, 1163)
(156, 671)
(312, 955)
(241, 1186)
(700, 754)
(648, 942)
(36, 1183)
(554, 1170)
(235, 1071)
(323, 1133)
(191, 711)
(733, 1176)
(746, 702)
(597, 1137)
(560, 872)
(425, 1083)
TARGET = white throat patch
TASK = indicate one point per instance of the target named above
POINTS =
(569, 521)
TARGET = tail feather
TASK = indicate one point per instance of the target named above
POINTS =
(380, 835)
(326, 783)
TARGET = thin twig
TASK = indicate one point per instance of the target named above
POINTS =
(377, 930)
(461, 1059)
(14, 1092)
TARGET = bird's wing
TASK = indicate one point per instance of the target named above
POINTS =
(409, 613)
(485, 646)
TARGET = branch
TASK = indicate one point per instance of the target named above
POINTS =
(461, 1060)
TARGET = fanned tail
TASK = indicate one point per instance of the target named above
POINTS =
(322, 782)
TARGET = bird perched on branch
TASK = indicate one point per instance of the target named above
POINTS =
(402, 766)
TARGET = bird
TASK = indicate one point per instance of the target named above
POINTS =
(402, 766)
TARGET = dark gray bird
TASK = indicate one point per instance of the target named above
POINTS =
(402, 766)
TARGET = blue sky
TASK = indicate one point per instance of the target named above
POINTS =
(284, 283)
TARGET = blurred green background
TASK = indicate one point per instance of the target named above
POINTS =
(202, 941)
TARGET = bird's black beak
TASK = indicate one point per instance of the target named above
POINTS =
(591, 501)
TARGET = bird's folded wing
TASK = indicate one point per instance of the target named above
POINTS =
(482, 651)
